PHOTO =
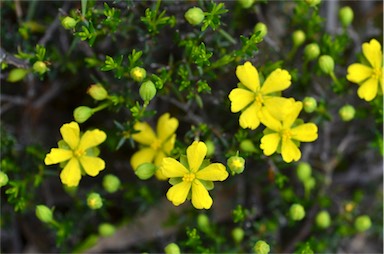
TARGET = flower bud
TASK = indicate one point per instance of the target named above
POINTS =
(68, 22)
(147, 91)
(138, 74)
(303, 171)
(347, 112)
(106, 229)
(172, 248)
(311, 51)
(94, 201)
(44, 213)
(349, 207)
(194, 16)
(97, 92)
(261, 247)
(363, 223)
(346, 16)
(203, 222)
(82, 113)
(297, 212)
(298, 37)
(238, 234)
(145, 170)
(309, 104)
(246, 3)
(111, 183)
(313, 3)
(39, 67)
(262, 28)
(247, 146)
(3, 179)
(323, 220)
(236, 164)
(210, 148)
(326, 64)
(17, 74)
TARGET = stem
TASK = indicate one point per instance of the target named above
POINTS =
(335, 80)
(100, 107)
(227, 36)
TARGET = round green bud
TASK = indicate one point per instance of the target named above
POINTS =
(138, 74)
(68, 22)
(326, 64)
(17, 74)
(147, 91)
(247, 146)
(347, 112)
(172, 248)
(238, 234)
(97, 92)
(309, 104)
(310, 183)
(236, 164)
(262, 28)
(246, 3)
(94, 201)
(145, 170)
(363, 223)
(194, 16)
(311, 51)
(297, 212)
(323, 220)
(203, 222)
(82, 114)
(106, 229)
(39, 67)
(261, 247)
(304, 171)
(44, 214)
(210, 148)
(298, 37)
(111, 183)
(3, 179)
(346, 16)
(313, 3)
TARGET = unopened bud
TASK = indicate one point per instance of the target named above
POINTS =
(106, 229)
(261, 247)
(246, 3)
(247, 146)
(138, 74)
(97, 92)
(346, 16)
(303, 171)
(194, 16)
(363, 223)
(82, 114)
(326, 64)
(210, 148)
(238, 234)
(323, 220)
(147, 91)
(262, 28)
(311, 51)
(111, 183)
(297, 212)
(68, 22)
(145, 171)
(309, 104)
(3, 179)
(17, 74)
(44, 214)
(172, 248)
(347, 112)
(40, 67)
(236, 164)
(298, 37)
(203, 222)
(94, 201)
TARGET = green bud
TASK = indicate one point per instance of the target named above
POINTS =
(326, 64)
(82, 113)
(210, 148)
(3, 179)
(262, 28)
(363, 223)
(247, 146)
(236, 164)
(261, 247)
(303, 171)
(309, 104)
(145, 171)
(246, 3)
(311, 51)
(203, 222)
(313, 3)
(297, 212)
(323, 220)
(111, 183)
(147, 91)
(347, 112)
(68, 22)
(138, 74)
(298, 38)
(172, 248)
(97, 92)
(106, 229)
(16, 75)
(94, 201)
(238, 234)
(346, 16)
(194, 16)
(44, 214)
(39, 67)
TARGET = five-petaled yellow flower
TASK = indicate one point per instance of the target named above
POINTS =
(155, 147)
(192, 177)
(369, 76)
(285, 135)
(250, 97)
(79, 153)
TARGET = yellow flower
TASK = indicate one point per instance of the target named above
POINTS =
(284, 136)
(192, 176)
(155, 147)
(78, 153)
(368, 76)
(250, 97)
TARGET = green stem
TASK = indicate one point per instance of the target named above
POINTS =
(227, 36)
(335, 80)
(100, 107)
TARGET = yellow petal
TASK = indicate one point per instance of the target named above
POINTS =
(91, 139)
(172, 168)
(372, 51)
(240, 98)
(291, 117)
(278, 80)
(142, 156)
(57, 155)
(368, 90)
(166, 126)
(71, 173)
(306, 132)
(196, 154)
(178, 193)
(269, 143)
(213, 172)
(279, 107)
(71, 134)
(145, 133)
(249, 118)
(159, 156)
(200, 196)
(248, 76)
(268, 120)
(92, 165)
(290, 151)
(159, 175)
(169, 144)
(357, 72)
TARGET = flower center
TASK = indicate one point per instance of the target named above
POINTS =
(237, 163)
(189, 177)
(78, 153)
(156, 144)
(286, 135)
(259, 99)
(376, 73)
